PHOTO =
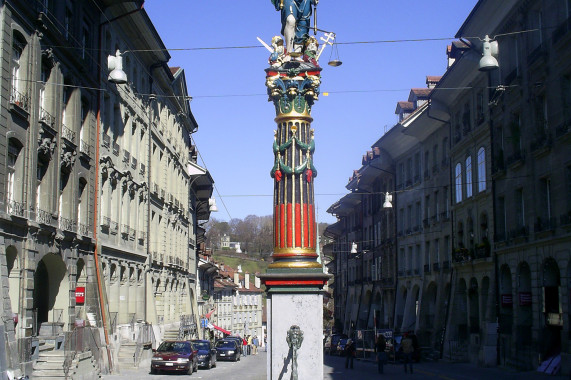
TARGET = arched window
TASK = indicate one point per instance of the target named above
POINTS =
(13, 164)
(481, 169)
(468, 176)
(458, 183)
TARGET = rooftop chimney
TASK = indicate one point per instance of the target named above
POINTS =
(257, 282)
(247, 280)
(236, 278)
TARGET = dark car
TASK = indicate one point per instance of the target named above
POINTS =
(332, 342)
(175, 356)
(206, 353)
(227, 350)
(239, 341)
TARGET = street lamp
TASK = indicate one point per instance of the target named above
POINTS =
(115, 65)
(388, 200)
(489, 52)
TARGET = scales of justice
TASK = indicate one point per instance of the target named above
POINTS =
(295, 278)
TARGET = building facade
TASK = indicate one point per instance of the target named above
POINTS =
(482, 196)
(94, 234)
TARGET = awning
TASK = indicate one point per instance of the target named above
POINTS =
(211, 325)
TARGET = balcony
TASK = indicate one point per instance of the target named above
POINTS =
(445, 216)
(84, 147)
(426, 174)
(519, 232)
(83, 230)
(416, 272)
(435, 169)
(67, 134)
(105, 222)
(46, 118)
(461, 255)
(482, 251)
(16, 208)
(142, 237)
(446, 265)
(106, 141)
(66, 224)
(20, 100)
(435, 267)
(43, 216)
(541, 145)
(426, 268)
(516, 159)
(417, 178)
(544, 224)
(114, 227)
(425, 222)
(409, 272)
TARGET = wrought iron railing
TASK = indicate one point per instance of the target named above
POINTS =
(47, 118)
(84, 147)
(16, 208)
(66, 224)
(20, 100)
(67, 133)
(83, 229)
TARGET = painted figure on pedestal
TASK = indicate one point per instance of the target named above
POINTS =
(295, 22)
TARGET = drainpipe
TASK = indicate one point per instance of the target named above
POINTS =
(96, 252)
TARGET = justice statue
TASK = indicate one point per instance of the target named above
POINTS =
(296, 16)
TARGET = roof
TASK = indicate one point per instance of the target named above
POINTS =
(404, 106)
(419, 93)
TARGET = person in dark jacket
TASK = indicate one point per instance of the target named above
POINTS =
(380, 347)
(350, 350)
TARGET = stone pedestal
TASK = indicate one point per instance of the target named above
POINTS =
(295, 299)
(305, 311)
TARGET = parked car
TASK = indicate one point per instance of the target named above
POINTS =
(332, 342)
(227, 350)
(175, 356)
(206, 353)
(239, 341)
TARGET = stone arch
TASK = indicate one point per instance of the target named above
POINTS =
(474, 306)
(51, 292)
(376, 311)
(429, 303)
(524, 304)
(13, 266)
(460, 313)
(551, 276)
(506, 300)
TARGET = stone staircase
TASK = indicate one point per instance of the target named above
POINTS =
(126, 355)
(171, 334)
(50, 365)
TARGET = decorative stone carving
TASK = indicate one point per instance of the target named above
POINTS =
(68, 158)
(294, 339)
(46, 146)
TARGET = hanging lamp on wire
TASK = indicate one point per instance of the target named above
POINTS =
(334, 61)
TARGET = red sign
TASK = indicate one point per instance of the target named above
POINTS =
(524, 298)
(80, 295)
(507, 300)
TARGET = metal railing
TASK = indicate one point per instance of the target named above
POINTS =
(43, 216)
(145, 339)
(67, 133)
(66, 224)
(80, 339)
(16, 208)
(20, 100)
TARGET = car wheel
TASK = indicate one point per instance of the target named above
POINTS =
(190, 370)
(154, 371)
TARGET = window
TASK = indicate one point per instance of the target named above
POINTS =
(444, 150)
(545, 198)
(501, 225)
(434, 157)
(13, 153)
(468, 176)
(519, 208)
(479, 107)
(16, 55)
(458, 177)
(481, 169)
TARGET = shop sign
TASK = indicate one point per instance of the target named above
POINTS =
(507, 300)
(524, 298)
(80, 295)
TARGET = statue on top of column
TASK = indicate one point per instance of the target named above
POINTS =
(296, 16)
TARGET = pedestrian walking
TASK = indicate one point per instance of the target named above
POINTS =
(250, 351)
(350, 352)
(408, 350)
(244, 347)
(380, 347)
(255, 344)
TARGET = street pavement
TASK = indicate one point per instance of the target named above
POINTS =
(253, 367)
(334, 369)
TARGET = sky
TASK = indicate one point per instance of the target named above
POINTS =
(235, 119)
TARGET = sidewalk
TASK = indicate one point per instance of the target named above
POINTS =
(334, 369)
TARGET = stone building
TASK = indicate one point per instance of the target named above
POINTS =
(482, 196)
(96, 241)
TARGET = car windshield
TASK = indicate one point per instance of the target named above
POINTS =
(180, 347)
(225, 344)
(201, 345)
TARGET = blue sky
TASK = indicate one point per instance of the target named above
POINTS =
(236, 121)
